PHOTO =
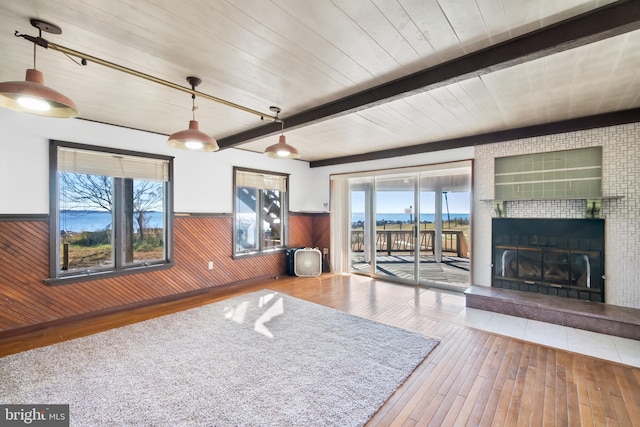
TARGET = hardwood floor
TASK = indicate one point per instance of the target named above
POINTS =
(471, 378)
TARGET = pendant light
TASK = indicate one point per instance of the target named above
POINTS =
(281, 150)
(31, 95)
(192, 139)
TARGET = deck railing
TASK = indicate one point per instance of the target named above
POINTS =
(391, 241)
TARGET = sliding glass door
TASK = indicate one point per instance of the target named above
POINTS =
(395, 231)
(412, 227)
(445, 200)
(360, 190)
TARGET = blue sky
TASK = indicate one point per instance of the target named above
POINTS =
(398, 201)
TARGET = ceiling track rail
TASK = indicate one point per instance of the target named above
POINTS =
(90, 58)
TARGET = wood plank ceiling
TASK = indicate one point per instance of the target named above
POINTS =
(331, 65)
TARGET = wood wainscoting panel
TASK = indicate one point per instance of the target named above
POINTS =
(321, 231)
(311, 230)
(22, 244)
(300, 230)
(199, 240)
(26, 301)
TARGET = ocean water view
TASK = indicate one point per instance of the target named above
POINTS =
(77, 221)
(404, 218)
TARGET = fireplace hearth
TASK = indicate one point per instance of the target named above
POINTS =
(561, 257)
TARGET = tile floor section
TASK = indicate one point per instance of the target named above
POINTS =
(450, 307)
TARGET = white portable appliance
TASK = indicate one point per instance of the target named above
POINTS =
(307, 262)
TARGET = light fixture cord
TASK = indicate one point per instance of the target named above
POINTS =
(278, 119)
(34, 48)
(193, 103)
(193, 106)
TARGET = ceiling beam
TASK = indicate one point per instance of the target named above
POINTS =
(564, 126)
(608, 21)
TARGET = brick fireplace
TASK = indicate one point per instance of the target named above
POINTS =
(559, 257)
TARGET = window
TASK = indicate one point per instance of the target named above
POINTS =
(110, 211)
(260, 207)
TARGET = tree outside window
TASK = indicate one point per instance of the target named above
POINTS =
(111, 210)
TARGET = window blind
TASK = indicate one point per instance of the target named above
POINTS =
(261, 181)
(112, 164)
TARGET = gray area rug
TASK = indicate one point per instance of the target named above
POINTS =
(261, 359)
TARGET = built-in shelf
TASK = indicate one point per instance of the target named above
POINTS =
(594, 204)
(554, 199)
(575, 173)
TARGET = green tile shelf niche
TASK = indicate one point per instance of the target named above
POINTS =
(568, 174)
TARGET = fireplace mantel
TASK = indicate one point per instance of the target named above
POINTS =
(553, 199)
(593, 204)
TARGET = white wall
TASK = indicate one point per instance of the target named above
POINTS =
(202, 181)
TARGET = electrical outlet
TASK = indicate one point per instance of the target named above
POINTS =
(210, 265)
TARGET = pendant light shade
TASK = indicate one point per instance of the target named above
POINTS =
(31, 95)
(192, 139)
(281, 150)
